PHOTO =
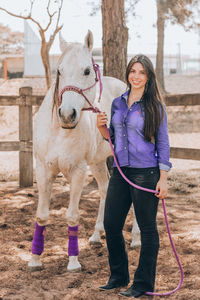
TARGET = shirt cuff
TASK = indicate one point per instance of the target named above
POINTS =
(164, 167)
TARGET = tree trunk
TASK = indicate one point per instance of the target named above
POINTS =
(46, 64)
(47, 69)
(160, 44)
(114, 44)
(115, 38)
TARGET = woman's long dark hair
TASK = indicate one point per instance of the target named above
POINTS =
(152, 99)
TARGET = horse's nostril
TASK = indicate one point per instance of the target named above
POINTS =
(59, 112)
(73, 115)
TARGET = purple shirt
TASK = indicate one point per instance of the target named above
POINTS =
(126, 131)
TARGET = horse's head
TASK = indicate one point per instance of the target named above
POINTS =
(75, 71)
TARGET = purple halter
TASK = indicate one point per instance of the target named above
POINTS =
(81, 91)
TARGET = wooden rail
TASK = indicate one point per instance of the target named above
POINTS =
(182, 100)
(26, 100)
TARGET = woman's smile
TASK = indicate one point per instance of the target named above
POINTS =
(137, 76)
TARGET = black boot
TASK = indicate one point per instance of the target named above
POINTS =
(112, 284)
(130, 292)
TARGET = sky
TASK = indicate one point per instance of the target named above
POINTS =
(76, 21)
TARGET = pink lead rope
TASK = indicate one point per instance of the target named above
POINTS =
(166, 221)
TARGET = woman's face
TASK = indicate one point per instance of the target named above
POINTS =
(137, 76)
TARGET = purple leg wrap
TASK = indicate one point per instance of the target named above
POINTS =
(38, 239)
(73, 241)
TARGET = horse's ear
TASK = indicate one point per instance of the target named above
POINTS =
(89, 40)
(63, 43)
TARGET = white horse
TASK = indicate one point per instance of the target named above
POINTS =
(66, 139)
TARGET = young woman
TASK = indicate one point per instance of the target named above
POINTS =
(138, 130)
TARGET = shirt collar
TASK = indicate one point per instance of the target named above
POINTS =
(125, 97)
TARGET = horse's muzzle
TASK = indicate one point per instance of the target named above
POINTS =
(67, 121)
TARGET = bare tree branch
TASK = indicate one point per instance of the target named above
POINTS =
(50, 21)
(130, 8)
(52, 37)
(48, 7)
(59, 12)
(31, 2)
(45, 46)
(50, 16)
(22, 17)
(57, 29)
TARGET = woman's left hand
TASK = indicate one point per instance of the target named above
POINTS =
(161, 187)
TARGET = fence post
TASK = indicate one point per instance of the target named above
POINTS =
(25, 135)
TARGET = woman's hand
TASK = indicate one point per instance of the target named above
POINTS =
(101, 120)
(161, 186)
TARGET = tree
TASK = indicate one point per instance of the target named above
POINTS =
(115, 38)
(177, 12)
(114, 43)
(45, 44)
(11, 42)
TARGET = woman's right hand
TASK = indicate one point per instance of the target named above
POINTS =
(102, 120)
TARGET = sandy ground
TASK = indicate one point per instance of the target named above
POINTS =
(18, 207)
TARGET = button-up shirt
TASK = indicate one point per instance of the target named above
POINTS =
(126, 131)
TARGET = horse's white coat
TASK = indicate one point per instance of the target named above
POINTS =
(67, 142)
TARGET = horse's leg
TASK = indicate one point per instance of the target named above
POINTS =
(101, 175)
(45, 178)
(136, 241)
(77, 175)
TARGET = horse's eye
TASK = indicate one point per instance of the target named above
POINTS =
(87, 71)
(58, 71)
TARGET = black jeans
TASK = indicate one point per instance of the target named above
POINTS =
(120, 196)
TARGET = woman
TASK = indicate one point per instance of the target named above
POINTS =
(138, 130)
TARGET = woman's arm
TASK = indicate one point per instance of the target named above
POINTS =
(162, 145)
(163, 151)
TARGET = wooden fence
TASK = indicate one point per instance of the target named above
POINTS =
(26, 100)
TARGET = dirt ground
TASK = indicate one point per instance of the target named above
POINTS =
(17, 214)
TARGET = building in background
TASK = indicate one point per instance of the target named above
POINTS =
(33, 66)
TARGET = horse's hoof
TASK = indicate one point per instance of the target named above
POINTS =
(73, 265)
(74, 270)
(34, 269)
(95, 239)
(35, 263)
(98, 244)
